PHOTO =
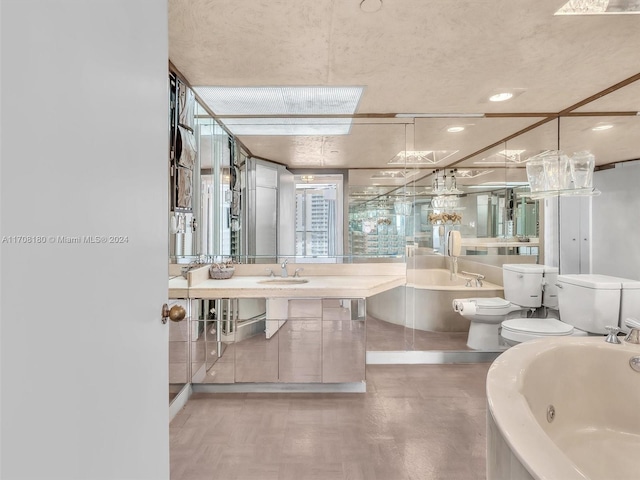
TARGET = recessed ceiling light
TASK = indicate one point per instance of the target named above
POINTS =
(604, 126)
(501, 97)
(455, 129)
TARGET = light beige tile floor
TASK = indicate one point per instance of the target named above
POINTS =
(384, 336)
(415, 422)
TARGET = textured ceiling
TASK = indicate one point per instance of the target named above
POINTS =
(416, 56)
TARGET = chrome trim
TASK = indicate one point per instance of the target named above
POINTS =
(431, 357)
(353, 387)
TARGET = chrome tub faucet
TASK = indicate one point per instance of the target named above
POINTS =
(476, 276)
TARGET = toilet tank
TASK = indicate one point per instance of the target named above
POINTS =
(549, 287)
(589, 302)
(523, 284)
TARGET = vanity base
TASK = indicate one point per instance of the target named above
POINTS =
(351, 387)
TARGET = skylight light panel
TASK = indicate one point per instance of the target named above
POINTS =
(281, 100)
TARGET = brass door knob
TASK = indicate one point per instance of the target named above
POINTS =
(175, 313)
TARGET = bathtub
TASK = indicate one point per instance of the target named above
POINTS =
(425, 302)
(594, 431)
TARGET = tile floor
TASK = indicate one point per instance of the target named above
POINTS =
(415, 422)
(385, 336)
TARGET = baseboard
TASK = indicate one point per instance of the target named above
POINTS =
(180, 401)
(351, 387)
(407, 357)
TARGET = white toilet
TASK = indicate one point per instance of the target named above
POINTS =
(587, 304)
(522, 292)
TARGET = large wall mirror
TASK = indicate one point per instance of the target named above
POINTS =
(405, 183)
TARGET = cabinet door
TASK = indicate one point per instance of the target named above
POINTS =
(301, 342)
(301, 351)
(257, 356)
(212, 351)
(343, 341)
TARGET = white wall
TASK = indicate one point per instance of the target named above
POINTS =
(616, 221)
(84, 152)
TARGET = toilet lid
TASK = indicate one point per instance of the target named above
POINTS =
(521, 329)
(493, 302)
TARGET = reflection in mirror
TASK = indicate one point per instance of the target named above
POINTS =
(596, 232)
(534, 143)
(318, 217)
(393, 215)
(411, 183)
(214, 237)
(376, 197)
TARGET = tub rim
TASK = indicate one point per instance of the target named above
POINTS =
(410, 282)
(513, 418)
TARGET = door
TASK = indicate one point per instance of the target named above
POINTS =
(84, 257)
(575, 236)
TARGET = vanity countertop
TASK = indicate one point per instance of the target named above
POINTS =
(497, 242)
(322, 281)
(178, 287)
(332, 286)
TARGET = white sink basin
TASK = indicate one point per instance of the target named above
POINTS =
(284, 281)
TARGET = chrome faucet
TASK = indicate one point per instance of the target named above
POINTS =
(634, 333)
(298, 270)
(612, 335)
(283, 265)
(477, 277)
